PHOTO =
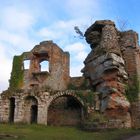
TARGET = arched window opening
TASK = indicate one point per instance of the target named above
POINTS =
(11, 110)
(44, 66)
(26, 64)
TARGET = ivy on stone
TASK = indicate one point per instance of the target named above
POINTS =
(16, 80)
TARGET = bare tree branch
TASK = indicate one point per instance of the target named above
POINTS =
(78, 31)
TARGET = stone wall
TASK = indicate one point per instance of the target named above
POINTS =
(4, 110)
(57, 77)
(135, 111)
(78, 83)
(130, 52)
(43, 100)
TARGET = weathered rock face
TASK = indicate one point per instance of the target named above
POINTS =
(105, 67)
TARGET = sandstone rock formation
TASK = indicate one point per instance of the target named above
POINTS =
(105, 67)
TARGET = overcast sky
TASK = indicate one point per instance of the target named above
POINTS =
(25, 23)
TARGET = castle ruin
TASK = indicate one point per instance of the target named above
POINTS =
(108, 93)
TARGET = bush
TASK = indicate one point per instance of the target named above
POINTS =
(132, 90)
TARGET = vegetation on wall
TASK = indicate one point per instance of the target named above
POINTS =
(16, 80)
(97, 117)
(84, 85)
(71, 86)
(132, 89)
(87, 97)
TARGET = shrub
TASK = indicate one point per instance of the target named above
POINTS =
(132, 90)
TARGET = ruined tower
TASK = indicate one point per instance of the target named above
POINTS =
(111, 67)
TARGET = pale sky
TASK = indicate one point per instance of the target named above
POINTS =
(25, 23)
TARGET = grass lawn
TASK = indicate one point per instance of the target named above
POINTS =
(41, 132)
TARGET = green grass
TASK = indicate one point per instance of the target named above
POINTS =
(41, 132)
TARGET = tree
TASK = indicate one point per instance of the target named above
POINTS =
(122, 24)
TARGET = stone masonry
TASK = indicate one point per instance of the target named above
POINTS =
(37, 91)
(58, 75)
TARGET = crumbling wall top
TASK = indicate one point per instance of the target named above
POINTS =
(98, 25)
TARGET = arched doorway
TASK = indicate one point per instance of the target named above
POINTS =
(31, 109)
(11, 109)
(65, 110)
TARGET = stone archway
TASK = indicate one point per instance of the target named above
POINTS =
(65, 109)
(31, 109)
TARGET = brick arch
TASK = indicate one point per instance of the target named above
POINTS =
(68, 108)
(66, 93)
(26, 95)
(29, 97)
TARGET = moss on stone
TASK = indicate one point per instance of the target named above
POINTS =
(84, 86)
(16, 80)
(72, 87)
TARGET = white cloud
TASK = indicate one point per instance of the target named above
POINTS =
(49, 34)
(81, 56)
(78, 53)
(6, 65)
(76, 47)
(18, 42)
(62, 29)
(76, 70)
(15, 23)
(78, 50)
(13, 18)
